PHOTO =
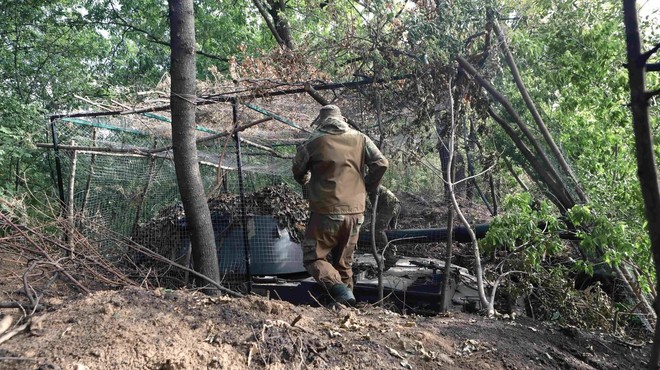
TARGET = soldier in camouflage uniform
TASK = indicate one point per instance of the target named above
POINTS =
(387, 215)
(331, 164)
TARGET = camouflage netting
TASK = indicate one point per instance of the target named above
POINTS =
(164, 233)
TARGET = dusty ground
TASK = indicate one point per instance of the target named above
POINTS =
(164, 329)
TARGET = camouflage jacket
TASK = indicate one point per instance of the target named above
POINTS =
(333, 163)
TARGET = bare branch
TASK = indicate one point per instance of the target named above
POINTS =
(23, 306)
(550, 182)
(644, 57)
(452, 197)
(651, 94)
(218, 135)
(499, 280)
(12, 333)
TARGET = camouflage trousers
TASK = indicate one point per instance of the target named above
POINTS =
(331, 234)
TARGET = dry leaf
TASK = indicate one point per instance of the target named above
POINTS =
(395, 353)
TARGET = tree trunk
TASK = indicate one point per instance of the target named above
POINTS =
(646, 166)
(182, 100)
(478, 270)
(448, 256)
(443, 126)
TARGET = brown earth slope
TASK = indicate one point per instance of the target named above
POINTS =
(164, 329)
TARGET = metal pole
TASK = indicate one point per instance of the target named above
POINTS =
(246, 237)
(58, 162)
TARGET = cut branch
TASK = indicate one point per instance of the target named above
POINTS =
(548, 171)
(535, 113)
(554, 188)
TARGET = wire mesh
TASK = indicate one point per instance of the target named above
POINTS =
(120, 187)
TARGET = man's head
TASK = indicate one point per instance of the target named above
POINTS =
(328, 111)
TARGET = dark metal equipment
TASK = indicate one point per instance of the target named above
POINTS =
(412, 286)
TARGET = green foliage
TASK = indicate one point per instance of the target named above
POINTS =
(528, 230)
(615, 240)
(49, 53)
(571, 55)
(139, 32)
(17, 154)
(526, 226)
(48, 56)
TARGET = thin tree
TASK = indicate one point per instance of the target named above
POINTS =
(182, 100)
(646, 165)
(451, 184)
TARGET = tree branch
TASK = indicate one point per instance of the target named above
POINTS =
(651, 94)
(269, 21)
(653, 67)
(644, 57)
(151, 37)
(531, 159)
(548, 170)
(452, 196)
(535, 113)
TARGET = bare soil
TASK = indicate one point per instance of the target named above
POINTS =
(135, 328)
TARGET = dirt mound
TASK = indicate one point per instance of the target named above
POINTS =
(164, 329)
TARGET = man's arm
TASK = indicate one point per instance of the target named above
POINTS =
(300, 166)
(376, 164)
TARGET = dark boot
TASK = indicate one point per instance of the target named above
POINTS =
(342, 294)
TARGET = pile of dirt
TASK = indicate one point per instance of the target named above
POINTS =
(175, 329)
